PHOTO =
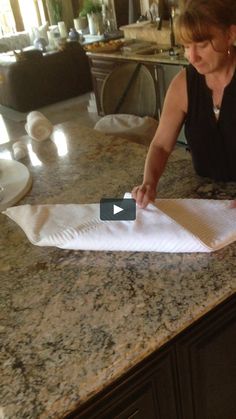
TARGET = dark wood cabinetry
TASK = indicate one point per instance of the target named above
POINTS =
(122, 11)
(149, 391)
(192, 377)
(206, 359)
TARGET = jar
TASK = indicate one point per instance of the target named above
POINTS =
(74, 35)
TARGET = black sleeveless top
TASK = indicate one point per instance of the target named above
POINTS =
(212, 142)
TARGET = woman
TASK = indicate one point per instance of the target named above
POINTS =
(202, 96)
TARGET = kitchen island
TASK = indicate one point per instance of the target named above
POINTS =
(74, 322)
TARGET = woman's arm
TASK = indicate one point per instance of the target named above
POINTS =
(171, 121)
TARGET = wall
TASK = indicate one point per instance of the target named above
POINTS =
(77, 6)
(67, 13)
(164, 6)
(145, 5)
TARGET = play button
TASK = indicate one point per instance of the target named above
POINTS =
(117, 209)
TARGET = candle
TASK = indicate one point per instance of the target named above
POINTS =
(51, 39)
(77, 24)
(62, 29)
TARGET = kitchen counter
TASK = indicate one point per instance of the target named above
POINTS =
(74, 321)
(164, 57)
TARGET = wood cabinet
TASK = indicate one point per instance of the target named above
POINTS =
(149, 391)
(192, 377)
(122, 11)
(206, 359)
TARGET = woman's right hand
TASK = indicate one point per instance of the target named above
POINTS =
(143, 194)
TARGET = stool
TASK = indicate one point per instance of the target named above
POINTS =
(130, 113)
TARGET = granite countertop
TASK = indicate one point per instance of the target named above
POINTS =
(74, 321)
(161, 58)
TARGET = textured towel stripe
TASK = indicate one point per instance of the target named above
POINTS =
(212, 221)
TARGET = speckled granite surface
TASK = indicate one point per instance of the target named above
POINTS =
(72, 322)
(163, 58)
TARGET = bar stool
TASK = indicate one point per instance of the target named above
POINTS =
(129, 102)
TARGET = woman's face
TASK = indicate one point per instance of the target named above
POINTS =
(210, 55)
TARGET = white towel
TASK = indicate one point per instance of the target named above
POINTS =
(128, 126)
(169, 225)
(38, 126)
(19, 150)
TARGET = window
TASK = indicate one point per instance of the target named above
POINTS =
(41, 11)
(7, 21)
(32, 13)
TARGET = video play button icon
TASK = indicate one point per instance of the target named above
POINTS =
(117, 209)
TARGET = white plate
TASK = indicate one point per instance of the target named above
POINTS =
(16, 180)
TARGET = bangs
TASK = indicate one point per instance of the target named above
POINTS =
(189, 29)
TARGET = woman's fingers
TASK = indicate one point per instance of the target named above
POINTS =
(233, 204)
(143, 194)
(141, 198)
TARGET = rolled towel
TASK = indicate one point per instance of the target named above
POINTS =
(38, 126)
(19, 150)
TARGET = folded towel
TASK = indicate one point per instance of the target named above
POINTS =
(38, 126)
(169, 225)
(128, 126)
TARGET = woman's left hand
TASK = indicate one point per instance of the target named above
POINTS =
(233, 204)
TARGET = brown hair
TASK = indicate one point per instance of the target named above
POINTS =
(198, 16)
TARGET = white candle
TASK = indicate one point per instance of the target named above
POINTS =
(50, 39)
(76, 24)
(62, 29)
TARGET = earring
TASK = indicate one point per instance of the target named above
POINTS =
(228, 51)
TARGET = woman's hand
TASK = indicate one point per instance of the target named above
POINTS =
(233, 204)
(143, 194)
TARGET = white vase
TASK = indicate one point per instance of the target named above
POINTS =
(81, 23)
(95, 23)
